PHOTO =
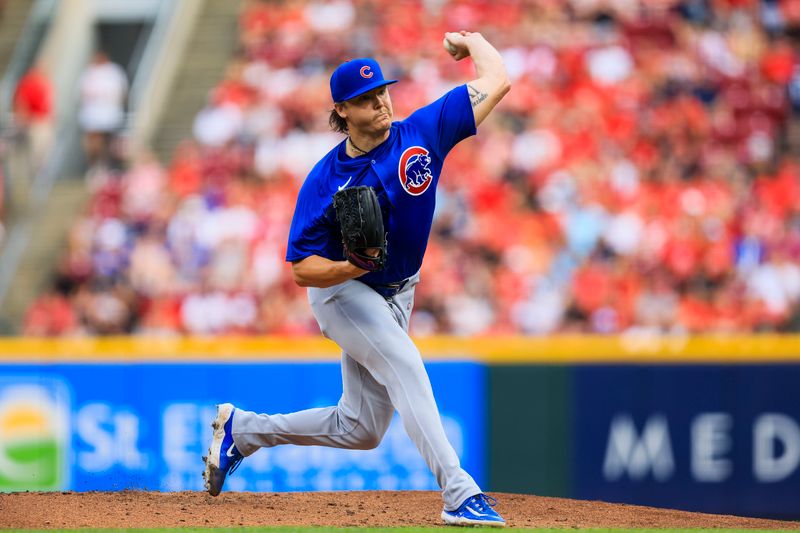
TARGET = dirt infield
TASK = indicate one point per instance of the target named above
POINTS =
(129, 509)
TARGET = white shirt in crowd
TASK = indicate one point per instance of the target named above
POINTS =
(104, 87)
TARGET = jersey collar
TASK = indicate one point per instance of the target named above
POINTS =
(348, 164)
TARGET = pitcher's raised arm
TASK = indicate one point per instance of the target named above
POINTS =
(492, 82)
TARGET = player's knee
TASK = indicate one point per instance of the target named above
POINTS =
(368, 440)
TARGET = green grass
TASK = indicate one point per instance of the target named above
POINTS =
(382, 530)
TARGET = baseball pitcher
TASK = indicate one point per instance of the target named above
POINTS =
(358, 236)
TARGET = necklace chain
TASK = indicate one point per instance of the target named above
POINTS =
(354, 145)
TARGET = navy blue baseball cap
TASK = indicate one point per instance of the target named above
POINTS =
(355, 77)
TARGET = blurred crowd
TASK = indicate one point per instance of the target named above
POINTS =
(641, 176)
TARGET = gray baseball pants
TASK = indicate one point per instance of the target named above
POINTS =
(382, 371)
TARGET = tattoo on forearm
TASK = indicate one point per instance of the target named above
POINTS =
(475, 96)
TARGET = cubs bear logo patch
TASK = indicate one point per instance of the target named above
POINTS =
(413, 170)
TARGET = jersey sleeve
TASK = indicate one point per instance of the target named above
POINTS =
(447, 121)
(309, 233)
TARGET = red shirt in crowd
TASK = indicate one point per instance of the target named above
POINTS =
(33, 100)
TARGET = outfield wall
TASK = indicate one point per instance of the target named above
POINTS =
(712, 438)
(705, 424)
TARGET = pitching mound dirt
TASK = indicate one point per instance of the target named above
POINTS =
(130, 509)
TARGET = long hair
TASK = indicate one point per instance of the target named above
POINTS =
(337, 123)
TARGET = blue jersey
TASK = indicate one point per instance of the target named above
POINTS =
(404, 171)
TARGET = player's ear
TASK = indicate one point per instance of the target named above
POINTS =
(340, 109)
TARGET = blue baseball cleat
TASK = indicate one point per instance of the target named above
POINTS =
(475, 511)
(223, 457)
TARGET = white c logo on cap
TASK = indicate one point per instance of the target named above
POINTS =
(365, 72)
